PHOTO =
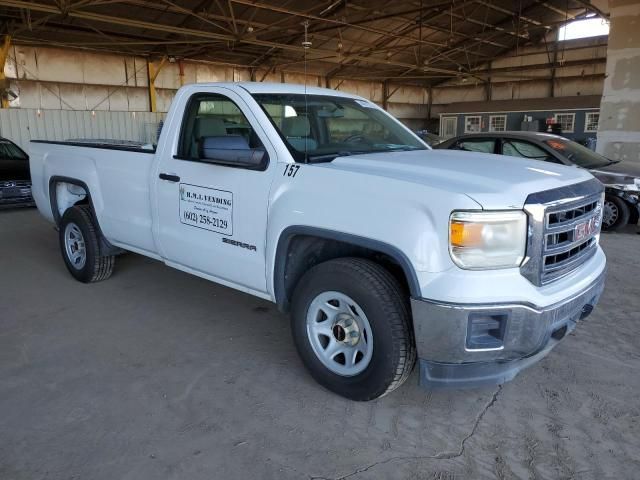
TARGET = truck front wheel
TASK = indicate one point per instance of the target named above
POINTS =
(79, 243)
(351, 325)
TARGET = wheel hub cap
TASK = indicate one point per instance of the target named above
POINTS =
(339, 333)
(346, 330)
(609, 213)
(74, 246)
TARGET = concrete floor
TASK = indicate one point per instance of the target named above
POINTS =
(155, 374)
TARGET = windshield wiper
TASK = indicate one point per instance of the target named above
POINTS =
(328, 157)
(394, 147)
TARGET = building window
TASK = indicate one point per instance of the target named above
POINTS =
(497, 123)
(583, 28)
(472, 124)
(566, 121)
(591, 121)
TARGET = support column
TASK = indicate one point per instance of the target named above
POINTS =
(153, 70)
(4, 82)
(385, 95)
(488, 87)
(619, 127)
(554, 65)
(429, 102)
(181, 72)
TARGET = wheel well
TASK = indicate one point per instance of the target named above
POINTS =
(303, 252)
(65, 194)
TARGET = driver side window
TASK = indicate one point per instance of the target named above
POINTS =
(212, 115)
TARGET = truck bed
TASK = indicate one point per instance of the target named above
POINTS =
(117, 173)
(108, 144)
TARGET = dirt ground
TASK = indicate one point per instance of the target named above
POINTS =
(156, 374)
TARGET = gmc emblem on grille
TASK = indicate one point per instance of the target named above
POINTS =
(585, 229)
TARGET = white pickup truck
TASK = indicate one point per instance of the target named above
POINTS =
(381, 249)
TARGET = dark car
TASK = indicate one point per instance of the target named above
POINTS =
(15, 179)
(429, 138)
(622, 181)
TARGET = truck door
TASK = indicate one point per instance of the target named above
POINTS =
(211, 214)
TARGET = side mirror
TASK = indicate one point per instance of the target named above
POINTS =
(232, 150)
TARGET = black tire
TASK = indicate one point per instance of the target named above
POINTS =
(96, 267)
(387, 309)
(616, 213)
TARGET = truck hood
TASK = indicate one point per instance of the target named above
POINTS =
(493, 181)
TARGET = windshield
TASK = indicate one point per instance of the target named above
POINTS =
(578, 154)
(321, 128)
(8, 151)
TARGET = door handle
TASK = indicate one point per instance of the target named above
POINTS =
(168, 177)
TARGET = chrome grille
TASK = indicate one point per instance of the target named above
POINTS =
(563, 249)
(15, 183)
(563, 230)
(15, 189)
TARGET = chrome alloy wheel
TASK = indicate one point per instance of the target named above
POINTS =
(610, 214)
(74, 246)
(339, 333)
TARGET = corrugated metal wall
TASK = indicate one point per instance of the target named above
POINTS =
(25, 124)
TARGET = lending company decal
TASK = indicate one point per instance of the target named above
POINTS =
(206, 208)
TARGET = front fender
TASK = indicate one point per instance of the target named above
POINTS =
(282, 249)
(405, 220)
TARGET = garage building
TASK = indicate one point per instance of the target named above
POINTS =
(160, 374)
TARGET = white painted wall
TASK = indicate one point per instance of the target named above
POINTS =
(51, 78)
(76, 80)
(571, 80)
(24, 124)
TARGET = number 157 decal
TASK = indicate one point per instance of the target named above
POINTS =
(290, 170)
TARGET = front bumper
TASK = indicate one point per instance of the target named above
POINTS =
(17, 202)
(5, 204)
(18, 195)
(450, 357)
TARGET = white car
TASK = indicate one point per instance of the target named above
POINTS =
(381, 249)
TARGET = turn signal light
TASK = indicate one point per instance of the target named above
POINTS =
(465, 234)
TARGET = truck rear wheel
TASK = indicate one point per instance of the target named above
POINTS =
(351, 325)
(79, 243)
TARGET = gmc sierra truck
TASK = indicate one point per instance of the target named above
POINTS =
(381, 249)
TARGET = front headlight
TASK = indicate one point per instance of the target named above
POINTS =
(487, 240)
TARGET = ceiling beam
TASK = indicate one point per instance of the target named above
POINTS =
(284, 32)
(500, 30)
(286, 11)
(547, 4)
(410, 27)
(129, 22)
(401, 15)
(509, 12)
(591, 7)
